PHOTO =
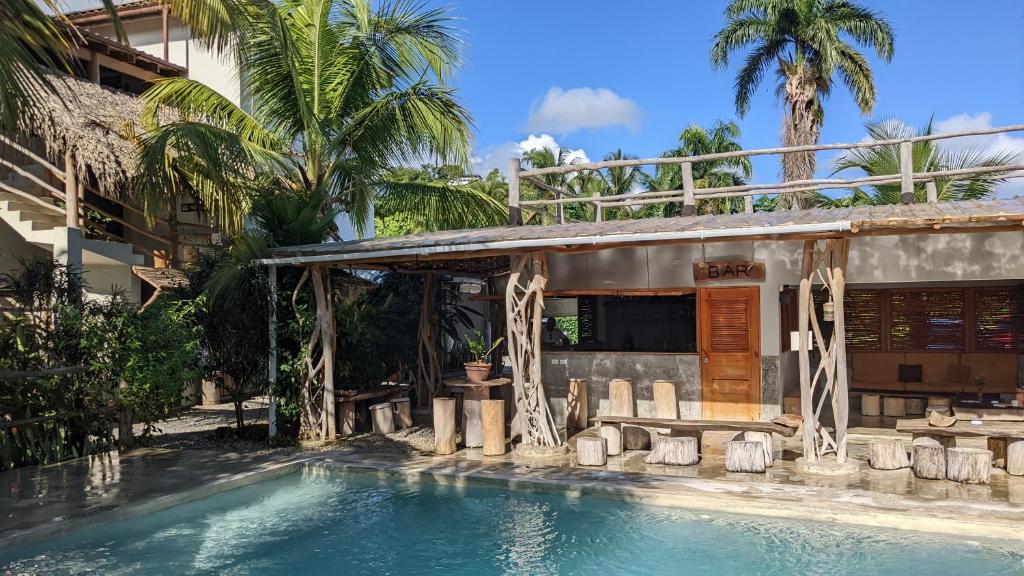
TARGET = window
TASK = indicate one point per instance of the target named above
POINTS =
(927, 320)
(999, 319)
(626, 323)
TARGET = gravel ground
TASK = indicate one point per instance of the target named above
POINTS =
(212, 428)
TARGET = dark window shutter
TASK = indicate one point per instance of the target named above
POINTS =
(586, 316)
(927, 320)
(863, 319)
(999, 319)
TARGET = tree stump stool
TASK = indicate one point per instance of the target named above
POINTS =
(765, 439)
(620, 398)
(347, 418)
(613, 436)
(665, 403)
(444, 426)
(744, 456)
(635, 438)
(383, 418)
(998, 447)
(969, 465)
(591, 451)
(870, 405)
(472, 431)
(940, 404)
(929, 459)
(576, 415)
(403, 413)
(1015, 456)
(675, 451)
(915, 406)
(945, 441)
(889, 455)
(894, 406)
(493, 427)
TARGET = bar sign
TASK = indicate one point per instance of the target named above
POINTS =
(728, 270)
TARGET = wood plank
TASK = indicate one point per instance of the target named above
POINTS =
(987, 429)
(697, 425)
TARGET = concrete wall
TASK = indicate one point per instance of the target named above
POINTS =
(917, 260)
(13, 246)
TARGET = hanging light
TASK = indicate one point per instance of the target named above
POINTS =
(829, 308)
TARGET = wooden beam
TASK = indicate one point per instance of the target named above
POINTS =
(689, 204)
(71, 192)
(515, 216)
(118, 65)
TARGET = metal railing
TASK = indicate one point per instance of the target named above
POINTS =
(689, 194)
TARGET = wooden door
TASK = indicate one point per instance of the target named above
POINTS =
(730, 352)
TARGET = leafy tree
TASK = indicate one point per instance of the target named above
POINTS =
(339, 91)
(928, 156)
(549, 158)
(809, 44)
(696, 140)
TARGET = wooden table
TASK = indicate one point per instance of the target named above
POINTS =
(472, 417)
(987, 428)
(698, 426)
(346, 400)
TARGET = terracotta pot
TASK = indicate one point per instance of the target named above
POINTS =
(477, 371)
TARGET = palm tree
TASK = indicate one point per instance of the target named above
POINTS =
(548, 158)
(339, 93)
(807, 41)
(696, 140)
(928, 156)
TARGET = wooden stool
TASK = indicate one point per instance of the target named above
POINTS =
(894, 406)
(969, 465)
(665, 403)
(744, 456)
(765, 439)
(870, 405)
(998, 447)
(675, 451)
(383, 418)
(591, 451)
(494, 427)
(347, 418)
(444, 426)
(620, 398)
(635, 438)
(929, 459)
(576, 407)
(915, 406)
(472, 430)
(940, 404)
(613, 436)
(1015, 456)
(889, 455)
(403, 413)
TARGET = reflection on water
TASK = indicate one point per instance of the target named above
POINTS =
(313, 523)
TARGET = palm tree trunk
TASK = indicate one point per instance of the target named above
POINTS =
(801, 126)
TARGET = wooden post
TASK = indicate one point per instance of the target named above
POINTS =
(428, 367)
(165, 28)
(933, 193)
(320, 278)
(804, 355)
(494, 427)
(597, 206)
(906, 172)
(577, 415)
(689, 203)
(559, 209)
(94, 67)
(347, 415)
(71, 190)
(620, 397)
(515, 216)
(748, 204)
(472, 416)
(840, 389)
(444, 426)
(272, 353)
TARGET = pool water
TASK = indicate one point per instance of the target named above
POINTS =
(358, 523)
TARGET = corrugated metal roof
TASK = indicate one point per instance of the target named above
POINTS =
(973, 215)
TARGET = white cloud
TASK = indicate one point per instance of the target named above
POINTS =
(564, 111)
(498, 156)
(988, 144)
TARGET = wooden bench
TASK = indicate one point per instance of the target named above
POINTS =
(347, 399)
(1005, 439)
(698, 426)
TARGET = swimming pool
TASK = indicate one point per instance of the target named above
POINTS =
(356, 523)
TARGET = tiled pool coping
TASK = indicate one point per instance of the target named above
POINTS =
(979, 520)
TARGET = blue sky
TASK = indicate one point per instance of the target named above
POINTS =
(632, 75)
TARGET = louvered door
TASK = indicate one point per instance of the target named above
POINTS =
(730, 345)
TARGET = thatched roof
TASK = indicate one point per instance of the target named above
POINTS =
(479, 249)
(96, 123)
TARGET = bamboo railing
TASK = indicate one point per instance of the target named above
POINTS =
(689, 194)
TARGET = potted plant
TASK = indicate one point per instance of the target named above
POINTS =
(479, 368)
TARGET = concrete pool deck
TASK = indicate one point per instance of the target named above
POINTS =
(39, 502)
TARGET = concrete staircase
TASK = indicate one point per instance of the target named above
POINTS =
(40, 220)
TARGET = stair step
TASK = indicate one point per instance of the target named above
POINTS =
(4, 195)
(45, 225)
